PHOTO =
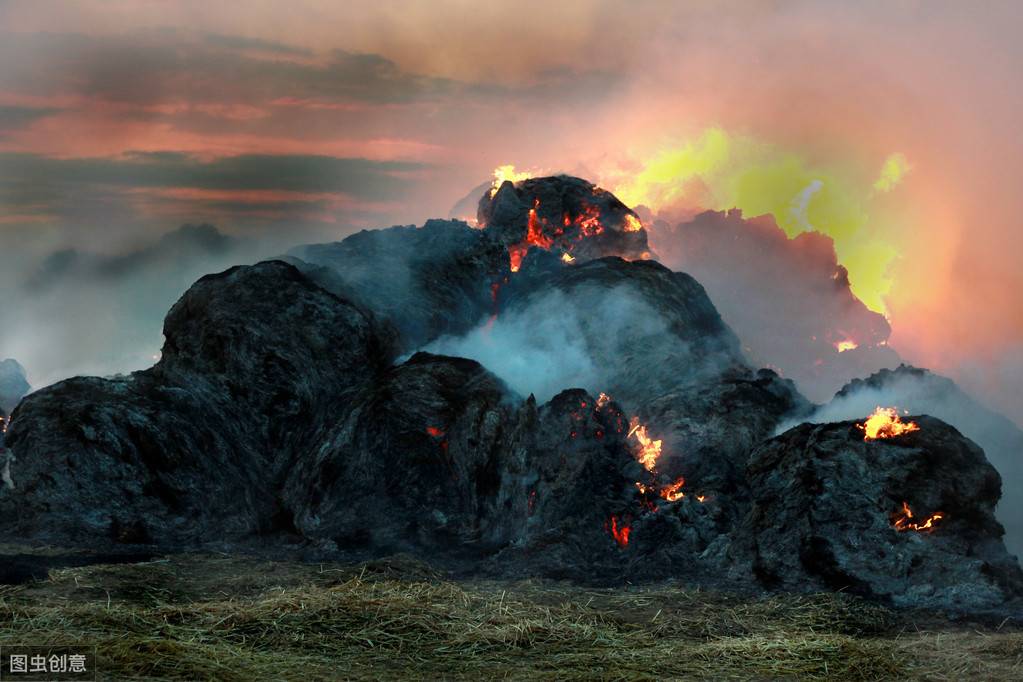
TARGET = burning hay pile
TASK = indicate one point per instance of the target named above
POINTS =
(304, 404)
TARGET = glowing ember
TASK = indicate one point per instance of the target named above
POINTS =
(903, 520)
(434, 431)
(885, 423)
(534, 237)
(589, 222)
(673, 492)
(567, 257)
(632, 223)
(619, 533)
(4, 423)
(701, 498)
(602, 400)
(649, 449)
(843, 346)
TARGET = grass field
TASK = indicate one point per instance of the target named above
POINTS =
(236, 618)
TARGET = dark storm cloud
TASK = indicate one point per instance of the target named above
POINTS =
(12, 118)
(257, 44)
(360, 178)
(170, 66)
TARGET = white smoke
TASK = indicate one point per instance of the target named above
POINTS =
(547, 347)
(801, 203)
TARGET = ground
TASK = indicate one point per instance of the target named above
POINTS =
(195, 617)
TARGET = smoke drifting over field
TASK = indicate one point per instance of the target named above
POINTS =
(77, 312)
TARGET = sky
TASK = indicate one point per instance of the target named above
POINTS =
(890, 126)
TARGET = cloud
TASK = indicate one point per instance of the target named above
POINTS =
(14, 117)
(373, 180)
(236, 42)
(137, 186)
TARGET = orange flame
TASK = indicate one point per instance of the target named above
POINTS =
(673, 492)
(885, 423)
(632, 223)
(649, 450)
(567, 257)
(602, 400)
(847, 344)
(903, 521)
(619, 533)
(589, 222)
(534, 237)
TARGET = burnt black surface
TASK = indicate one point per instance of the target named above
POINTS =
(823, 503)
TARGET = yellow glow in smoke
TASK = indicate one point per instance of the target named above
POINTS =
(662, 181)
(893, 170)
(721, 171)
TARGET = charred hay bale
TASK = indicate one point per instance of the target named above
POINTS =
(711, 426)
(257, 359)
(908, 518)
(564, 213)
(417, 464)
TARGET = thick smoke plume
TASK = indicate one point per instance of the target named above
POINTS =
(75, 312)
(789, 300)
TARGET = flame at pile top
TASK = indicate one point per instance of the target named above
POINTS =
(507, 172)
(903, 520)
(885, 423)
(843, 346)
(562, 214)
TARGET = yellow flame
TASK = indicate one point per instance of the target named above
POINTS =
(508, 172)
(649, 449)
(632, 223)
(885, 422)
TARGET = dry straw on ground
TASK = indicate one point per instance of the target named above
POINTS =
(232, 618)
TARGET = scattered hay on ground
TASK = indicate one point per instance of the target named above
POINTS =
(238, 618)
